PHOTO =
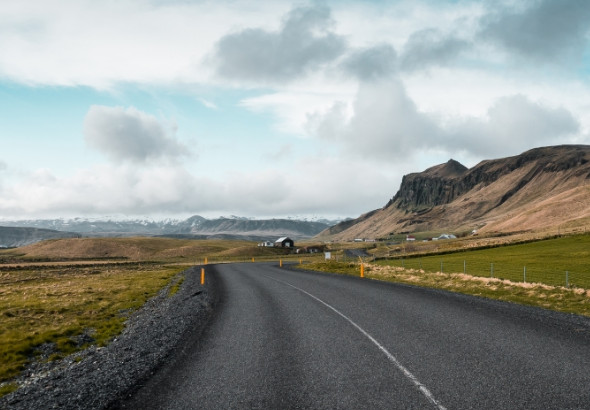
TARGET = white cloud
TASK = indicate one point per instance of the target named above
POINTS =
(172, 190)
(129, 134)
(542, 31)
(430, 47)
(105, 43)
(387, 125)
(303, 43)
(98, 191)
(513, 124)
(290, 107)
(208, 104)
(371, 63)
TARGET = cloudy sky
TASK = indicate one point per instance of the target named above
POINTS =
(171, 108)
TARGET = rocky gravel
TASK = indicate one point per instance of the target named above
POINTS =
(98, 376)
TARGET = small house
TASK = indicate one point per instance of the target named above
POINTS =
(266, 244)
(284, 242)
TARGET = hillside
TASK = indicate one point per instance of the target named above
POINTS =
(133, 249)
(544, 188)
(11, 237)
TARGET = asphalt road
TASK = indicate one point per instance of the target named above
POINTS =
(283, 339)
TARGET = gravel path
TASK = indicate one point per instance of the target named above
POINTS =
(97, 377)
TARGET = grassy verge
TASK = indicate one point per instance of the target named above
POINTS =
(569, 300)
(557, 262)
(49, 312)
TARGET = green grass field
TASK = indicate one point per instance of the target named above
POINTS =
(546, 264)
(544, 261)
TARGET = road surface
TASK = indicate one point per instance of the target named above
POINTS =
(282, 338)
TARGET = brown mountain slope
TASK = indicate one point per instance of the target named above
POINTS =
(539, 189)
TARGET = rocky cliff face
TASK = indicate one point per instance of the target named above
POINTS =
(435, 186)
(542, 187)
(444, 183)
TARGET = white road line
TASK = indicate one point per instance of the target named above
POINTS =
(391, 357)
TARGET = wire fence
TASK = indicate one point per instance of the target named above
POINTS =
(512, 271)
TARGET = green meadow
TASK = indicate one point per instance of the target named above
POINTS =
(546, 262)
(557, 262)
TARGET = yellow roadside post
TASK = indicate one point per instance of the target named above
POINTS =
(362, 267)
(252, 259)
(280, 263)
(205, 260)
(202, 276)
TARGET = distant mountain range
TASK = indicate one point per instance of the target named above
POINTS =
(19, 233)
(544, 188)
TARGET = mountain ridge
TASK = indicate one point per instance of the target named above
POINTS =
(550, 183)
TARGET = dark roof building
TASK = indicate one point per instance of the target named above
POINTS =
(284, 242)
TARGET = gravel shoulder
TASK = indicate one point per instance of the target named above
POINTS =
(96, 378)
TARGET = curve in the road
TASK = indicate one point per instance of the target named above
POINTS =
(386, 352)
(282, 338)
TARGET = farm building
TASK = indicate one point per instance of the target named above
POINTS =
(266, 244)
(312, 249)
(284, 242)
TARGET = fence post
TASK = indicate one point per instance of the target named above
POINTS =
(464, 271)
(441, 266)
(567, 279)
(492, 270)
(524, 274)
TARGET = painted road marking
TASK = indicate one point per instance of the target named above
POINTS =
(391, 357)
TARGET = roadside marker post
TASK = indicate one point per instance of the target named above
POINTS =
(202, 276)
(205, 260)
(252, 259)
(363, 267)
(280, 263)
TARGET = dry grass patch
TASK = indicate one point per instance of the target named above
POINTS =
(534, 294)
(133, 249)
(49, 312)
